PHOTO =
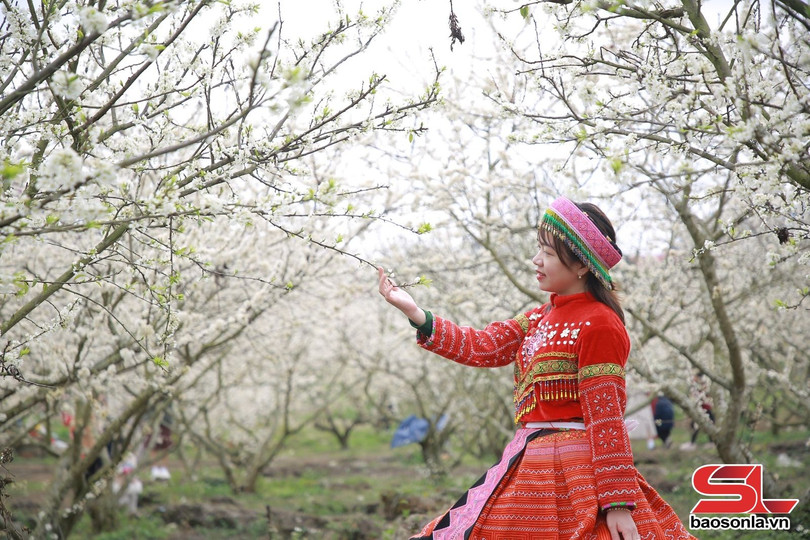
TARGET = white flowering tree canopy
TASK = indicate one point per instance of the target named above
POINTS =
(168, 174)
(711, 101)
(123, 123)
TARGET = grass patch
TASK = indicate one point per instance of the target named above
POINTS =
(131, 528)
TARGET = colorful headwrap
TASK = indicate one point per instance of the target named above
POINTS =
(567, 222)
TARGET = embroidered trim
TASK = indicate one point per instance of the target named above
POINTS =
(596, 370)
(459, 521)
(553, 353)
(560, 367)
(619, 505)
(534, 377)
(551, 380)
(552, 366)
(523, 321)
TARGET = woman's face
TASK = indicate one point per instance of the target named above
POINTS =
(552, 273)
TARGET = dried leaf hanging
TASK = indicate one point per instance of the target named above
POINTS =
(455, 29)
(783, 235)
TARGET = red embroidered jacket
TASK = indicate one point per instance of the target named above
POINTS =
(569, 357)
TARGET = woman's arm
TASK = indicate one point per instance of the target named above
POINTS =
(494, 346)
(602, 357)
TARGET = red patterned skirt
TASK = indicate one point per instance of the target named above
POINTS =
(543, 488)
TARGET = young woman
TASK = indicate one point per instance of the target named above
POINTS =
(568, 473)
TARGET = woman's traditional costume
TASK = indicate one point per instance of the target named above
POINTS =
(570, 460)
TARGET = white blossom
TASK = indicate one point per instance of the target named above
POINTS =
(150, 50)
(94, 21)
(62, 168)
(67, 85)
(104, 172)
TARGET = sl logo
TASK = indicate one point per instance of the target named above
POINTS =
(742, 485)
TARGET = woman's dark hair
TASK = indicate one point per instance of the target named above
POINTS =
(568, 258)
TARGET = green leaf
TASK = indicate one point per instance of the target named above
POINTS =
(9, 170)
(524, 12)
(159, 361)
(424, 228)
(21, 283)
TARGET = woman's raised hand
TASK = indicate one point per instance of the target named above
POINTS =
(399, 298)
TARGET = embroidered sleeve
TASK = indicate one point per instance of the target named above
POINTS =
(494, 346)
(602, 357)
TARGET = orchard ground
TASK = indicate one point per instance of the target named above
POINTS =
(370, 491)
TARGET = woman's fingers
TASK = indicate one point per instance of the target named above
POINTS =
(386, 284)
(621, 525)
(399, 298)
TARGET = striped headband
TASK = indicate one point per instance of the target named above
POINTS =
(567, 222)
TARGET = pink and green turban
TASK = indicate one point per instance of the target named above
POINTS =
(567, 222)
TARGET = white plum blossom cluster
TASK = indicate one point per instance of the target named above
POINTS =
(21, 31)
(151, 50)
(93, 20)
(90, 180)
(61, 170)
(67, 85)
